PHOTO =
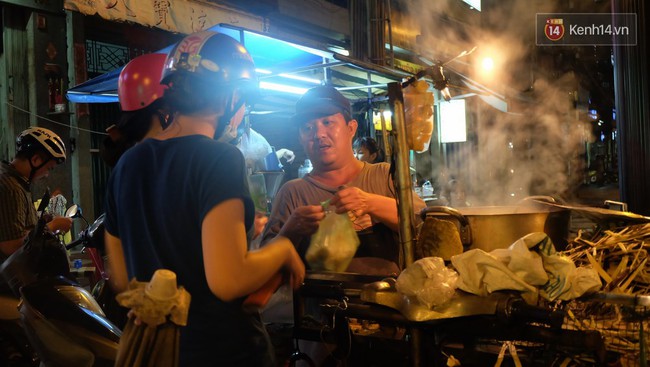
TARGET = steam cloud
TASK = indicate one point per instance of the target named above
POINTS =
(537, 147)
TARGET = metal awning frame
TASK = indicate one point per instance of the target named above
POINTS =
(103, 89)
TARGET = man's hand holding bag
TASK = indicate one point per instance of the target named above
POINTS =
(334, 244)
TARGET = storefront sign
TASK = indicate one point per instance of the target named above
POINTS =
(171, 15)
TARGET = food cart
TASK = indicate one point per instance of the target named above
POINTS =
(501, 322)
(421, 336)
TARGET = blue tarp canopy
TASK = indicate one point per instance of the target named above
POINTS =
(102, 89)
(268, 53)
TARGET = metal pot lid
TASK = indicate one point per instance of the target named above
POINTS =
(601, 215)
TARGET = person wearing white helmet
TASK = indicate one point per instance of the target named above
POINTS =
(180, 201)
(38, 150)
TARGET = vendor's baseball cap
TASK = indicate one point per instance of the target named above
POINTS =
(321, 101)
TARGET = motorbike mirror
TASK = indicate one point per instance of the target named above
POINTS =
(73, 211)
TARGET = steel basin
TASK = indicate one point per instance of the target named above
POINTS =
(492, 227)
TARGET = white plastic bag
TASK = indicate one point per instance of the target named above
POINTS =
(429, 280)
(530, 265)
(334, 244)
(254, 147)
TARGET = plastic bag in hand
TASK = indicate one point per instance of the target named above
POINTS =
(334, 244)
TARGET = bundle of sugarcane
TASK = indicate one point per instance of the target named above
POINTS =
(621, 259)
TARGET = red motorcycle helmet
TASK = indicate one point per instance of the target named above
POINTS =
(139, 83)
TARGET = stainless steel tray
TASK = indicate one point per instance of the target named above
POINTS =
(461, 304)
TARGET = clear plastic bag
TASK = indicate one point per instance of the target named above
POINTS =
(429, 280)
(334, 244)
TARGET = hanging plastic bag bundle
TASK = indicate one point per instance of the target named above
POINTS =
(418, 111)
(334, 244)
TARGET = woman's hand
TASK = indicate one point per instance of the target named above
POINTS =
(295, 268)
(260, 221)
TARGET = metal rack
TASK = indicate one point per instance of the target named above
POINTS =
(471, 327)
(621, 319)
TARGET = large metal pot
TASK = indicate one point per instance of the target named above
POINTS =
(492, 227)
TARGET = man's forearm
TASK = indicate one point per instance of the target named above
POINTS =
(384, 209)
(9, 247)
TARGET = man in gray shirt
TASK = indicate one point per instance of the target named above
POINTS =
(326, 130)
(364, 190)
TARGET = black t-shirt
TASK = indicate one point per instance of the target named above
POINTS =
(157, 197)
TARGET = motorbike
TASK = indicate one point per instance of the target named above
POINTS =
(63, 323)
(92, 241)
(15, 349)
